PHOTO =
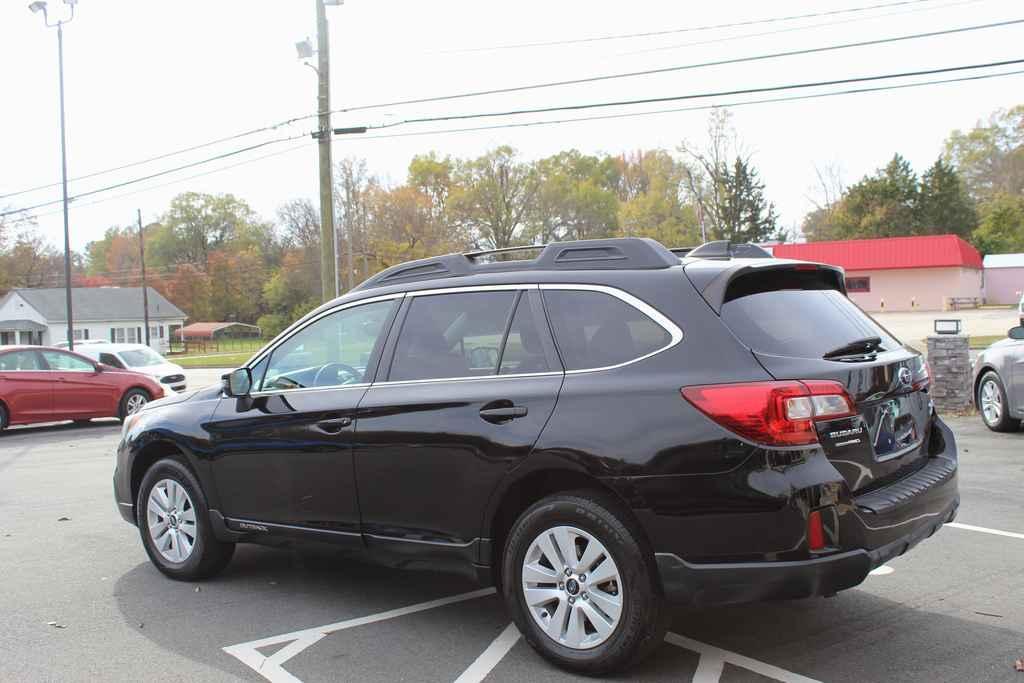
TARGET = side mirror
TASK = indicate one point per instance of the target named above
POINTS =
(1016, 332)
(238, 383)
(99, 367)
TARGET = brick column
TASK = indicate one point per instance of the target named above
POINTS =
(950, 360)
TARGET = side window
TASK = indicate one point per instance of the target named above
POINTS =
(111, 360)
(333, 351)
(66, 362)
(596, 330)
(19, 360)
(452, 335)
(523, 350)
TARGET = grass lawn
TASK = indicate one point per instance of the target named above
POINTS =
(215, 360)
(984, 340)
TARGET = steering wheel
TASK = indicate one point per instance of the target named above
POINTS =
(337, 367)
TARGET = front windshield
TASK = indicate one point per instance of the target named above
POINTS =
(141, 358)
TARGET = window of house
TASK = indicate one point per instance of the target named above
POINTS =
(333, 351)
(65, 362)
(81, 334)
(452, 335)
(858, 284)
(597, 330)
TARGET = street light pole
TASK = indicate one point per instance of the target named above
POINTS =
(38, 6)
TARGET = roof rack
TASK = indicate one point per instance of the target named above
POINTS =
(623, 253)
(723, 249)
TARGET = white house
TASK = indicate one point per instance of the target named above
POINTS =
(38, 316)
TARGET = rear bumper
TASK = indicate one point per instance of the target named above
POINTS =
(872, 529)
(717, 584)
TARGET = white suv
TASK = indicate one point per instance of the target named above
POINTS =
(139, 358)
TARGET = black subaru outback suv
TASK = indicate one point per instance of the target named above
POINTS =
(601, 431)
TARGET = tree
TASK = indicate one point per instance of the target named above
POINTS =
(299, 220)
(990, 157)
(725, 187)
(744, 215)
(651, 195)
(1001, 229)
(944, 206)
(492, 195)
(882, 205)
(575, 198)
(198, 224)
(26, 260)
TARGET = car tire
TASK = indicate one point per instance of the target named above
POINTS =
(992, 404)
(3, 417)
(175, 528)
(630, 609)
(130, 403)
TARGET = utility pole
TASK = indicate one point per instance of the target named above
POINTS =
(328, 260)
(145, 291)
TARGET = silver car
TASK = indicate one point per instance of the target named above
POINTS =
(999, 382)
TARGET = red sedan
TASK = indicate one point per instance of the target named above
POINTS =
(41, 384)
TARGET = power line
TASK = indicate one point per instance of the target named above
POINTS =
(692, 29)
(703, 107)
(684, 67)
(792, 29)
(153, 175)
(676, 98)
(633, 74)
(165, 155)
(179, 180)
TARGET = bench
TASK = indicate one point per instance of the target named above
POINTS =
(955, 303)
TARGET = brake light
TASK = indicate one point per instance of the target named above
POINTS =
(772, 413)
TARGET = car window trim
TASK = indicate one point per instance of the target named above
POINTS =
(663, 321)
(297, 328)
(675, 333)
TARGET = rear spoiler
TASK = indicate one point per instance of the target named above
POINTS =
(713, 278)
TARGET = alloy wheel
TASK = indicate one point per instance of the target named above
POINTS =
(134, 403)
(991, 402)
(572, 587)
(171, 519)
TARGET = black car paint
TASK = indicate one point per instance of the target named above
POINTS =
(419, 473)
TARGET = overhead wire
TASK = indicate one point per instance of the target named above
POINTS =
(690, 29)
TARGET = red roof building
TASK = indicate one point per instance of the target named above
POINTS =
(929, 272)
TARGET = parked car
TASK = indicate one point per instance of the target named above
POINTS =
(42, 384)
(140, 358)
(600, 431)
(999, 382)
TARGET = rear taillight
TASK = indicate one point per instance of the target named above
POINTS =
(772, 413)
(922, 374)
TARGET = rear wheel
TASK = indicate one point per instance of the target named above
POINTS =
(174, 523)
(580, 585)
(132, 402)
(994, 407)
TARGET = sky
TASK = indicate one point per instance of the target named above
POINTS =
(144, 78)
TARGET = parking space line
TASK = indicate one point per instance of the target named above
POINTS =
(986, 530)
(711, 671)
(490, 657)
(271, 667)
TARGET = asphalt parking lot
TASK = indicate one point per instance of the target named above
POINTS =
(80, 600)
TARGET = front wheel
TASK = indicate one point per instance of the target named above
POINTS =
(993, 405)
(132, 402)
(580, 585)
(174, 522)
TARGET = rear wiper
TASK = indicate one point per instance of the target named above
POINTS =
(865, 346)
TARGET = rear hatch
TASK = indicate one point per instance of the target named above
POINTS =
(800, 325)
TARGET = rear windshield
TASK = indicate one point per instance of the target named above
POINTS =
(801, 323)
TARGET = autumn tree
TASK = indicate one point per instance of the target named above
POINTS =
(575, 198)
(492, 197)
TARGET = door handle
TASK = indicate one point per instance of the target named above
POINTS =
(334, 426)
(503, 414)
